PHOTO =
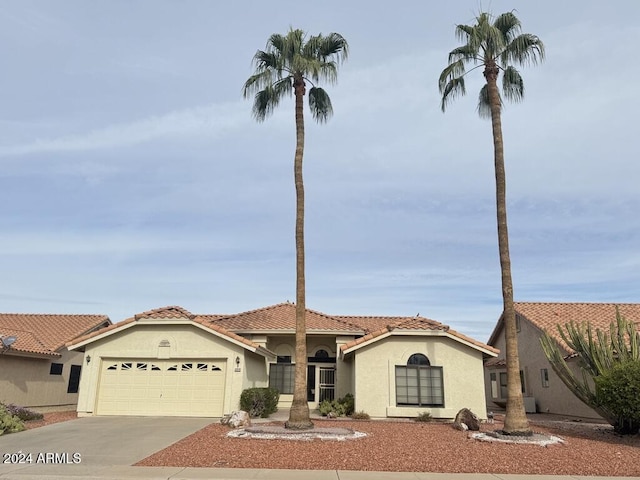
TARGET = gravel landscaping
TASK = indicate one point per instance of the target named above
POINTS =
(589, 449)
(51, 417)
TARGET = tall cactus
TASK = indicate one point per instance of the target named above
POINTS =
(597, 355)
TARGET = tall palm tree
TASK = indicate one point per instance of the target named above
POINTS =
(287, 64)
(495, 44)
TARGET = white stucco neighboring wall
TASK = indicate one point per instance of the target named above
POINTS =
(374, 376)
(554, 398)
(185, 341)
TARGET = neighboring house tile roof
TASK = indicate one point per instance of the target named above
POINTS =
(46, 334)
(548, 316)
(164, 313)
(282, 317)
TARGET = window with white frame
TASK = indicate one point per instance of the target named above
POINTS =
(418, 383)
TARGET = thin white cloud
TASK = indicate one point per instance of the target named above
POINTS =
(209, 121)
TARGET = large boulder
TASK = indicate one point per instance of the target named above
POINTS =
(466, 420)
(237, 419)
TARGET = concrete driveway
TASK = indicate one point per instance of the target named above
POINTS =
(94, 441)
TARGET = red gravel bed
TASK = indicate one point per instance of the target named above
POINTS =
(51, 417)
(410, 446)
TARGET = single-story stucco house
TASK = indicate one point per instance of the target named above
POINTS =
(543, 391)
(169, 361)
(36, 369)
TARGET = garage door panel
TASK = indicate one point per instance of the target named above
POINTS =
(161, 387)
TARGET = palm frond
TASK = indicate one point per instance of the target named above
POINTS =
(276, 42)
(324, 47)
(266, 100)
(464, 32)
(465, 52)
(525, 49)
(452, 89)
(512, 84)
(509, 26)
(484, 106)
(453, 70)
(257, 82)
(320, 104)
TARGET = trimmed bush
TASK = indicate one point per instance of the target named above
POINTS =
(23, 413)
(9, 423)
(259, 402)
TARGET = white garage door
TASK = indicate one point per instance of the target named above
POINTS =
(193, 388)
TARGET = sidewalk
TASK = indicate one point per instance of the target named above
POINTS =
(73, 472)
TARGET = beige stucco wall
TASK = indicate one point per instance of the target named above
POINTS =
(186, 341)
(556, 398)
(26, 381)
(374, 370)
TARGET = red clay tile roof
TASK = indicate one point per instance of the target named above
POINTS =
(413, 324)
(46, 334)
(172, 312)
(547, 316)
(282, 317)
(370, 323)
(496, 362)
(166, 312)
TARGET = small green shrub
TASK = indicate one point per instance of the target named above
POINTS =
(349, 404)
(23, 413)
(423, 417)
(361, 415)
(619, 390)
(341, 407)
(259, 402)
(9, 423)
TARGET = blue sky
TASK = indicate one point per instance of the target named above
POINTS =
(133, 175)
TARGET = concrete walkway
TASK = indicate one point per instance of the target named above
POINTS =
(73, 472)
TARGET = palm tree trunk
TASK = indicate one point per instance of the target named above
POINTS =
(515, 421)
(299, 412)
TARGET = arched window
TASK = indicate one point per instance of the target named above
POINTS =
(418, 383)
(418, 359)
(322, 353)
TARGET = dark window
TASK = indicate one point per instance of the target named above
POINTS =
(544, 374)
(74, 379)
(418, 359)
(418, 383)
(284, 359)
(56, 369)
(281, 377)
(503, 385)
(522, 381)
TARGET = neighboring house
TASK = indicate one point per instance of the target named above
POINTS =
(171, 362)
(542, 389)
(36, 369)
